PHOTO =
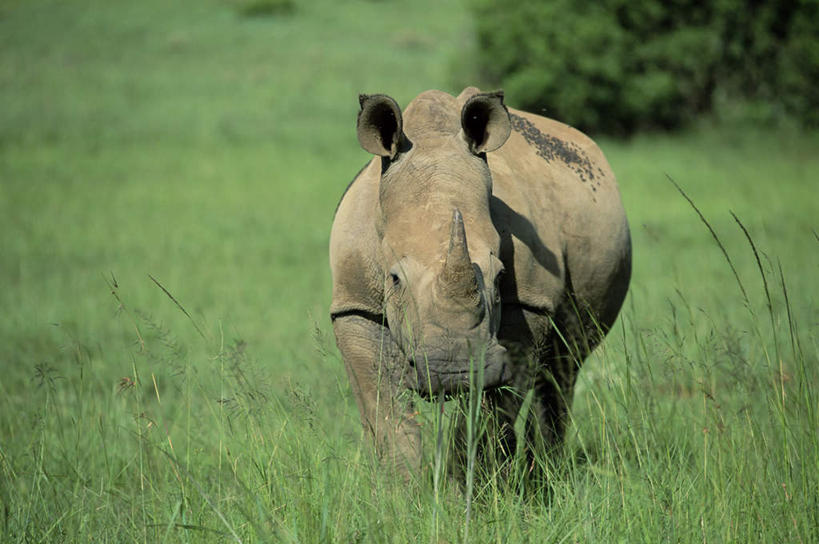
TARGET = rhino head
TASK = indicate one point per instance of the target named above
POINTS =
(439, 246)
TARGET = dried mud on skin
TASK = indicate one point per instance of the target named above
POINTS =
(551, 148)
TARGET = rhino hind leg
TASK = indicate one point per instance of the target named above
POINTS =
(573, 334)
(372, 365)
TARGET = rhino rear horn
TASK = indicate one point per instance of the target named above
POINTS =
(485, 122)
(379, 125)
(458, 275)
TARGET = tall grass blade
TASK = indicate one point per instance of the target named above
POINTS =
(438, 466)
(178, 305)
(716, 238)
(473, 433)
(205, 496)
(758, 263)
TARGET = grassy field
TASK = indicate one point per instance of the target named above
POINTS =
(191, 144)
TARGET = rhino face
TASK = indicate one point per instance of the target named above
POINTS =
(438, 243)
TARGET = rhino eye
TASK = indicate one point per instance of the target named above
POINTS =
(396, 281)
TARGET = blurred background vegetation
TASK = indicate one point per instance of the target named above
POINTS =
(617, 66)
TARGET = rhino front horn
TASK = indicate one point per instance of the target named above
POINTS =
(458, 275)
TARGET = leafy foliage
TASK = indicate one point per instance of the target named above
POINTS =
(616, 66)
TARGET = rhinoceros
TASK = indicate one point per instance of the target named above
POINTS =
(479, 241)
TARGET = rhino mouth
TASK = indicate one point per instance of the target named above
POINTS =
(435, 373)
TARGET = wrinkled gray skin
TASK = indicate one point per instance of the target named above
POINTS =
(475, 234)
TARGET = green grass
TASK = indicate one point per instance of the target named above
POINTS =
(208, 149)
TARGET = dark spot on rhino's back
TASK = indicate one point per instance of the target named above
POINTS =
(551, 148)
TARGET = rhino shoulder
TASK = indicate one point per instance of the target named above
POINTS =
(560, 145)
(354, 263)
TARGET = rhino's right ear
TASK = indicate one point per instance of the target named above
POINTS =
(379, 125)
(485, 124)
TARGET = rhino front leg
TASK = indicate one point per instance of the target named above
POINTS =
(373, 364)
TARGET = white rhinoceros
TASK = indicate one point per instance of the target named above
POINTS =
(477, 238)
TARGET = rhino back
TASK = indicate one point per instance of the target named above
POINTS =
(557, 206)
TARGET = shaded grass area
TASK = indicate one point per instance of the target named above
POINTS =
(208, 150)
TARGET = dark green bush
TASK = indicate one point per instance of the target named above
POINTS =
(617, 66)
(265, 8)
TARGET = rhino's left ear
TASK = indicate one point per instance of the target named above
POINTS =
(379, 125)
(485, 122)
